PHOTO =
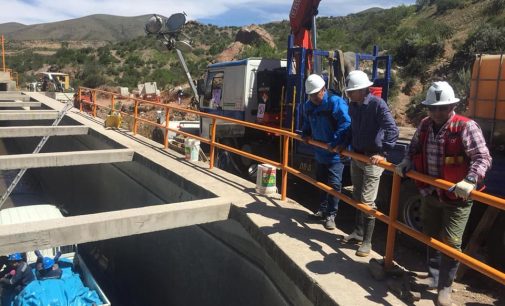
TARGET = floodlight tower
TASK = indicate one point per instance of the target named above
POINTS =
(168, 30)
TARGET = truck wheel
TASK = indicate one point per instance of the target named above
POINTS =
(410, 206)
(496, 243)
(409, 212)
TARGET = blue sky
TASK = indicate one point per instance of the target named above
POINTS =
(219, 12)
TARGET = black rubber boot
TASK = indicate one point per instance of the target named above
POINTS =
(366, 246)
(357, 233)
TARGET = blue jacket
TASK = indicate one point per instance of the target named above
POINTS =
(328, 123)
(373, 129)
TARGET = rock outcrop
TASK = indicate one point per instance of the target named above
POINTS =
(231, 52)
(254, 34)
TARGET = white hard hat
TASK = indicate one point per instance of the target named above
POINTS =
(440, 93)
(313, 84)
(357, 79)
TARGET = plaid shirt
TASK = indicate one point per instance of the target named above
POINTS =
(474, 145)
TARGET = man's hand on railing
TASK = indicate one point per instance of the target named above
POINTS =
(306, 139)
(339, 149)
(463, 189)
(403, 167)
(375, 159)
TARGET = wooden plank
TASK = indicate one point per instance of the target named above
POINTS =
(478, 236)
(107, 225)
(61, 159)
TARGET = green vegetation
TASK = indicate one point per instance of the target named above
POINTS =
(417, 36)
(495, 7)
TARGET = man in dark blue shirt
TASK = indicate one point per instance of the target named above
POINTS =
(373, 132)
(47, 268)
(20, 276)
(325, 119)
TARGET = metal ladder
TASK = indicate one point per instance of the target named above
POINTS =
(42, 142)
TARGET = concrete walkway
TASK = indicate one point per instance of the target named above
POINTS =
(326, 271)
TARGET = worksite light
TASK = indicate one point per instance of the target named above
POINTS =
(183, 45)
(175, 22)
(154, 25)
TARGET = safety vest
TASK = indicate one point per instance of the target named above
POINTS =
(455, 163)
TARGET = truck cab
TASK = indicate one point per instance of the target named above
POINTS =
(231, 90)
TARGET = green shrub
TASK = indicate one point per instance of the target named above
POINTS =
(92, 76)
(217, 48)
(415, 110)
(445, 5)
(409, 85)
(134, 60)
(486, 39)
(261, 50)
(495, 7)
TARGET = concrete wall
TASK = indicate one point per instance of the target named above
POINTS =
(213, 264)
(105, 187)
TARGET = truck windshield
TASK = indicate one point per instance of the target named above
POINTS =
(213, 90)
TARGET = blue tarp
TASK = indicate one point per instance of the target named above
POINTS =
(69, 290)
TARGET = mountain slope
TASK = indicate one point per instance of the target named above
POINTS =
(6, 28)
(93, 27)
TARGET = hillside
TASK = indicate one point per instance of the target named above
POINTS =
(435, 39)
(94, 27)
(9, 27)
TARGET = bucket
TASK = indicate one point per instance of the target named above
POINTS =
(266, 179)
(194, 150)
(376, 91)
(191, 149)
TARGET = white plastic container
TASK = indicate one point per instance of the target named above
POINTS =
(191, 149)
(194, 150)
(266, 179)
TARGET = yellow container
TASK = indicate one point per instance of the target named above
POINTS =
(487, 88)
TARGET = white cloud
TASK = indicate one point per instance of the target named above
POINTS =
(41, 11)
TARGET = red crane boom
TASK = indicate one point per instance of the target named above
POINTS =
(300, 18)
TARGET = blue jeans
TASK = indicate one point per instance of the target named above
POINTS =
(330, 174)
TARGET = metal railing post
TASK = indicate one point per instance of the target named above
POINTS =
(135, 117)
(79, 99)
(393, 214)
(112, 102)
(93, 96)
(285, 157)
(167, 118)
(3, 52)
(212, 142)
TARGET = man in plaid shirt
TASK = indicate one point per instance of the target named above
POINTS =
(450, 147)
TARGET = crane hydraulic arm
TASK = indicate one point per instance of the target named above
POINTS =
(301, 20)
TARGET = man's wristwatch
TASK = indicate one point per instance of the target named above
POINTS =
(471, 179)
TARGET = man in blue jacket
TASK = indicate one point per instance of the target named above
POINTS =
(325, 119)
(20, 275)
(373, 132)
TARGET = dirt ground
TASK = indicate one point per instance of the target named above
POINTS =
(473, 289)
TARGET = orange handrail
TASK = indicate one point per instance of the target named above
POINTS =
(391, 219)
(3, 52)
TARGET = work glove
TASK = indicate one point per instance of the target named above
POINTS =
(463, 189)
(403, 167)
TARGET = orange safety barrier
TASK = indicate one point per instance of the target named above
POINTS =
(390, 220)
